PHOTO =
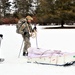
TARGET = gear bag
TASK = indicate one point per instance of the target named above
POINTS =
(20, 25)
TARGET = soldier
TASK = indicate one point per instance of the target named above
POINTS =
(24, 27)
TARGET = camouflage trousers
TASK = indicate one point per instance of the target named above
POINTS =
(27, 43)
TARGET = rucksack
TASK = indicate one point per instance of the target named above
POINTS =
(19, 25)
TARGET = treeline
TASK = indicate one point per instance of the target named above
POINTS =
(10, 20)
(43, 11)
(56, 10)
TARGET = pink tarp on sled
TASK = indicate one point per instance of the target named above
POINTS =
(38, 52)
(49, 56)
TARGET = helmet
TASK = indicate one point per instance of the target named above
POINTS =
(29, 18)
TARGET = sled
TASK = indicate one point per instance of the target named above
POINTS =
(50, 57)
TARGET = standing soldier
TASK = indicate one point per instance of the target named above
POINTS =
(25, 29)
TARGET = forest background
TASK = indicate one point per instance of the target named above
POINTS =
(44, 12)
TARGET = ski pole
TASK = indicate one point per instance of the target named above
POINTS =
(36, 41)
(0, 42)
(36, 36)
(20, 50)
(1, 37)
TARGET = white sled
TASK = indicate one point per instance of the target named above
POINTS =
(51, 57)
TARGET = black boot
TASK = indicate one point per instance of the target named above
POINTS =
(1, 59)
(25, 53)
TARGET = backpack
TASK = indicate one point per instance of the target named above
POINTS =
(19, 25)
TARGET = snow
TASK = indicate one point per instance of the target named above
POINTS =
(54, 39)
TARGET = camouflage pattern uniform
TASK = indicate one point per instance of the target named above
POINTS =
(22, 29)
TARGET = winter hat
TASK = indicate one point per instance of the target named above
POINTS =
(29, 18)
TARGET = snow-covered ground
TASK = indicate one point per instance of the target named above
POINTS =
(54, 39)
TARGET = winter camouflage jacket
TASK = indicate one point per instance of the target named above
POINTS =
(23, 27)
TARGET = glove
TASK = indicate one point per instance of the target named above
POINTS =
(25, 33)
(1, 35)
(35, 28)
